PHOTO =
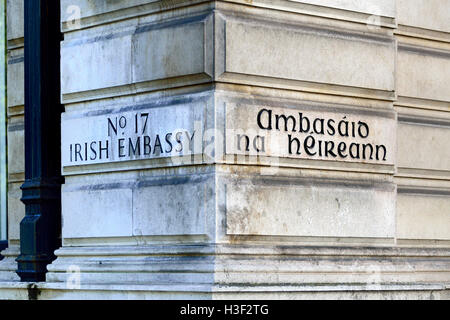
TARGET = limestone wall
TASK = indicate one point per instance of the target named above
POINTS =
(15, 104)
(15, 133)
(197, 76)
(423, 111)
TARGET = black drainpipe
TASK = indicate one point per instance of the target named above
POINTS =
(40, 229)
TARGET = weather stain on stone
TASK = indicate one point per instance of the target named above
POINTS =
(338, 203)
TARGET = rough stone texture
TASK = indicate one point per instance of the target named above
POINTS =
(423, 147)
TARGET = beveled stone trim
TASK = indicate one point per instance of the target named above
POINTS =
(438, 53)
(297, 7)
(422, 173)
(305, 86)
(15, 43)
(132, 12)
(414, 102)
(138, 87)
(427, 191)
(422, 33)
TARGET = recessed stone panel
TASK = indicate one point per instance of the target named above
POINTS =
(87, 8)
(171, 206)
(96, 212)
(96, 63)
(423, 217)
(15, 19)
(287, 207)
(423, 73)
(16, 210)
(177, 50)
(423, 146)
(111, 61)
(309, 54)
